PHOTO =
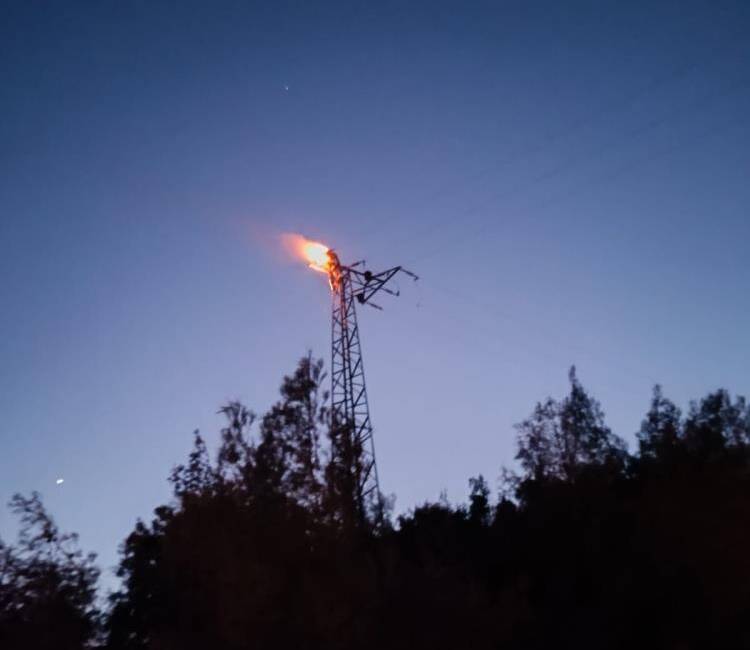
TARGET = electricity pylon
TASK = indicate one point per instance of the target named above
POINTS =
(350, 410)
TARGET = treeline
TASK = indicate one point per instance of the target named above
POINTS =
(267, 544)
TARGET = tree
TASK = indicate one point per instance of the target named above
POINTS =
(559, 439)
(584, 437)
(235, 460)
(198, 476)
(716, 423)
(139, 610)
(288, 456)
(47, 585)
(661, 431)
(537, 441)
(479, 502)
(263, 545)
(231, 559)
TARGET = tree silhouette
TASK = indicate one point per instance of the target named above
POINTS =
(538, 442)
(262, 544)
(479, 501)
(560, 439)
(47, 585)
(716, 423)
(584, 437)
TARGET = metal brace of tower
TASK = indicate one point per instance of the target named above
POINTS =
(349, 407)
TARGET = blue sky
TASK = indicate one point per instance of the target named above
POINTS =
(570, 181)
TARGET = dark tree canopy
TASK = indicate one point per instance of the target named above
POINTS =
(660, 437)
(561, 439)
(262, 545)
(47, 585)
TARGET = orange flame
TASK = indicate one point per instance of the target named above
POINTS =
(313, 252)
(316, 255)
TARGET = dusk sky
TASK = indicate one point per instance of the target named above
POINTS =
(570, 180)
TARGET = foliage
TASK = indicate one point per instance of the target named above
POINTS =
(561, 439)
(263, 546)
(47, 585)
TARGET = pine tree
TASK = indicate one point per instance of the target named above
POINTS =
(479, 501)
(661, 431)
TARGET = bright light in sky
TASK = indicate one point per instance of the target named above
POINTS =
(312, 252)
(60, 481)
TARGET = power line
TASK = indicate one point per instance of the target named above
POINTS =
(538, 349)
(638, 132)
(677, 72)
(494, 308)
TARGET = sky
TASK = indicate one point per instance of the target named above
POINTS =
(569, 180)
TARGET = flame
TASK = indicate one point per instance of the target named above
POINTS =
(313, 252)
(316, 255)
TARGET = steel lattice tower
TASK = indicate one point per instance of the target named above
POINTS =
(349, 406)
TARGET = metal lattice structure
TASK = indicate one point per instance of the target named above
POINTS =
(349, 406)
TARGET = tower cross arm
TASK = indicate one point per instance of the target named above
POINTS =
(366, 284)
